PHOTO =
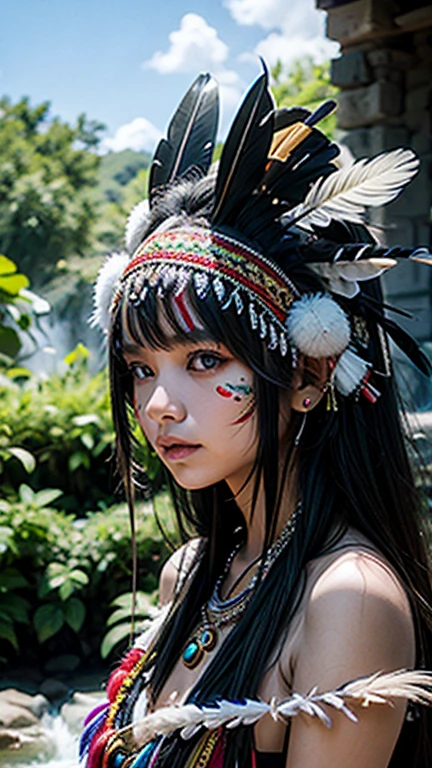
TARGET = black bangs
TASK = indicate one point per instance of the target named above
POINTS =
(154, 313)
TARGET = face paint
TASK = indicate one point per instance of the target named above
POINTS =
(137, 407)
(237, 391)
(195, 433)
(246, 415)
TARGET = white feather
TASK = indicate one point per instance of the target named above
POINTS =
(136, 225)
(345, 194)
(349, 372)
(378, 688)
(107, 279)
(152, 627)
(343, 277)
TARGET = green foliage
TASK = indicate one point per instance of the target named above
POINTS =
(59, 574)
(306, 84)
(121, 622)
(60, 429)
(46, 170)
(116, 170)
(19, 309)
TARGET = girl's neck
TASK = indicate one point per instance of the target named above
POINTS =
(255, 517)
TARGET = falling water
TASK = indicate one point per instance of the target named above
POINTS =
(66, 744)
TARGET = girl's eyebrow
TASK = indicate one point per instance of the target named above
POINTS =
(130, 348)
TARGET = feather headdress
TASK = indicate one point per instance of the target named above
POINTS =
(280, 201)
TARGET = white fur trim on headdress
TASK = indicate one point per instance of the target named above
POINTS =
(349, 372)
(107, 279)
(317, 326)
(136, 225)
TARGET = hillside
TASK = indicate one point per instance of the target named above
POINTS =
(116, 170)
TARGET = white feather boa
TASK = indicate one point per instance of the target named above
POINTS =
(379, 688)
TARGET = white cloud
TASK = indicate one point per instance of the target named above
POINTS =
(297, 29)
(194, 47)
(294, 17)
(139, 134)
(278, 46)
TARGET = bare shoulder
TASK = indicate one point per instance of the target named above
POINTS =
(176, 567)
(357, 621)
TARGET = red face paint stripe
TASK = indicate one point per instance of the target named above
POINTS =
(223, 392)
(245, 417)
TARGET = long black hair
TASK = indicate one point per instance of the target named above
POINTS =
(353, 471)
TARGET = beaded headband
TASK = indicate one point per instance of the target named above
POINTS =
(279, 188)
(236, 274)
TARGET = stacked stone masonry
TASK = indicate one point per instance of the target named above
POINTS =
(385, 75)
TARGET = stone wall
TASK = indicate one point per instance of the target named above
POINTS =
(385, 76)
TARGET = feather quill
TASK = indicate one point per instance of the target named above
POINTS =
(190, 138)
(345, 194)
(379, 688)
(245, 152)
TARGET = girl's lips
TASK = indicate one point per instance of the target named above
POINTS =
(179, 451)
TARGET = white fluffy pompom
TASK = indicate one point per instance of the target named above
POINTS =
(317, 326)
(107, 279)
(136, 225)
(349, 372)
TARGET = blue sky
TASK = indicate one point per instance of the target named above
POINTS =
(127, 63)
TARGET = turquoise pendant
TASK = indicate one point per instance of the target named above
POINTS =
(195, 649)
(192, 654)
(208, 639)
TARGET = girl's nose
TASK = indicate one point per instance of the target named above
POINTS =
(163, 406)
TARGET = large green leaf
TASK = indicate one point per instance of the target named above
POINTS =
(11, 578)
(74, 612)
(47, 621)
(113, 637)
(7, 632)
(7, 266)
(12, 284)
(46, 497)
(25, 457)
(10, 343)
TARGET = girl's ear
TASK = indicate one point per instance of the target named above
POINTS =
(309, 383)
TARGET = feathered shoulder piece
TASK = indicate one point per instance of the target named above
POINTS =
(380, 688)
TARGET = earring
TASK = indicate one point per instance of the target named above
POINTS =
(300, 432)
(307, 402)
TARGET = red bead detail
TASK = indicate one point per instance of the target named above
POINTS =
(117, 678)
(115, 681)
(131, 658)
(97, 748)
(369, 395)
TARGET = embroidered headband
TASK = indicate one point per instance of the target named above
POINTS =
(280, 193)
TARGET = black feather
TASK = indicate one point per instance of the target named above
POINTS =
(401, 338)
(311, 159)
(285, 116)
(323, 249)
(245, 152)
(323, 111)
(190, 138)
(407, 345)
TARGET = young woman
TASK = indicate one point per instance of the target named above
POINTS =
(247, 336)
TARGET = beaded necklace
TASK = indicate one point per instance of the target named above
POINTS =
(217, 612)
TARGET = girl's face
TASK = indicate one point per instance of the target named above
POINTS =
(196, 406)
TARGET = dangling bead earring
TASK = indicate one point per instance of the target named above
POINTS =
(300, 432)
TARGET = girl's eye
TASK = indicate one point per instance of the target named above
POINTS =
(205, 361)
(140, 372)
